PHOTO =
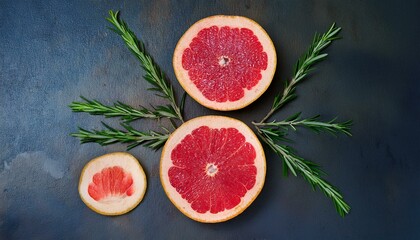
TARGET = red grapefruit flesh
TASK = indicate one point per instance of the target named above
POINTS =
(225, 62)
(112, 184)
(212, 168)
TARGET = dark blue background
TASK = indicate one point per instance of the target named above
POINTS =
(52, 51)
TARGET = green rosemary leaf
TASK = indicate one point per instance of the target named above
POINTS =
(166, 111)
(181, 107)
(111, 135)
(312, 123)
(119, 109)
(310, 171)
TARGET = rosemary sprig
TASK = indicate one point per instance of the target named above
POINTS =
(272, 133)
(154, 75)
(119, 109)
(303, 67)
(111, 135)
(310, 171)
(312, 123)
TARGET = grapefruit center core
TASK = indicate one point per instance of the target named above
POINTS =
(224, 61)
(211, 169)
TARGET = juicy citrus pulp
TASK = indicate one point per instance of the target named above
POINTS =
(212, 168)
(112, 184)
(225, 62)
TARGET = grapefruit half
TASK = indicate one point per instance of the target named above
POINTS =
(212, 168)
(112, 184)
(225, 62)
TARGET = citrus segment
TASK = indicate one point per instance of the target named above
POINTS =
(212, 168)
(225, 62)
(112, 184)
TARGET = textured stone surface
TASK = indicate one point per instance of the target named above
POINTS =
(53, 51)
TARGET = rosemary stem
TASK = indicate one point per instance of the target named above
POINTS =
(282, 100)
(266, 117)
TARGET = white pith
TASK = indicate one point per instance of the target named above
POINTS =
(211, 169)
(113, 205)
(212, 122)
(233, 22)
(224, 61)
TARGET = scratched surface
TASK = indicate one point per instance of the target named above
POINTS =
(52, 51)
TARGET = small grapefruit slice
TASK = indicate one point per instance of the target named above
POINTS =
(112, 184)
(212, 168)
(225, 62)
